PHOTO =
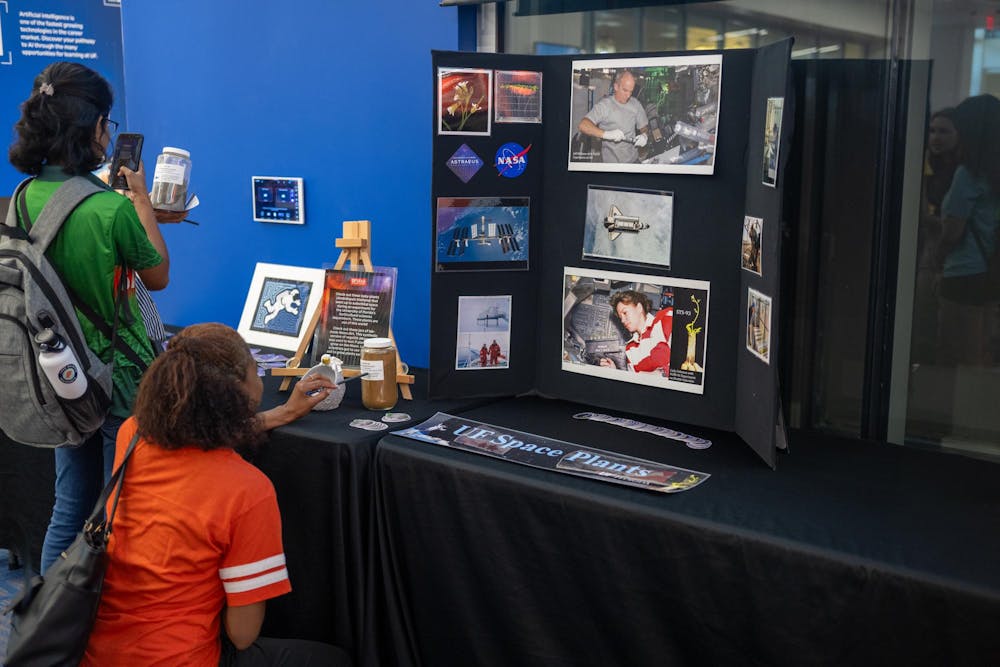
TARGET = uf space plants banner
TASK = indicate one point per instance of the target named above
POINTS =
(635, 328)
(540, 452)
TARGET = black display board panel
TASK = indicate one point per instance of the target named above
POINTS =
(707, 235)
(445, 379)
(757, 391)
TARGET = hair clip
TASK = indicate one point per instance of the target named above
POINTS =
(46, 89)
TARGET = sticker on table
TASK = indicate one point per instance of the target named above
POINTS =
(368, 424)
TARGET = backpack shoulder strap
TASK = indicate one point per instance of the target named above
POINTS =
(10, 227)
(66, 198)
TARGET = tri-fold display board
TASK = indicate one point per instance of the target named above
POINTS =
(606, 230)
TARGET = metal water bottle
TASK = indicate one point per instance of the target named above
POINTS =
(60, 364)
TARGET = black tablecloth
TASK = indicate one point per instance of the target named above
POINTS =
(27, 482)
(321, 471)
(850, 553)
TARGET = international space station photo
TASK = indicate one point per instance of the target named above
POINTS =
(482, 233)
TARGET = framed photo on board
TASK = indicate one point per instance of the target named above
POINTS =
(280, 303)
(645, 115)
(642, 329)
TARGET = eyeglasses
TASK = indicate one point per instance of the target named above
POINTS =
(112, 125)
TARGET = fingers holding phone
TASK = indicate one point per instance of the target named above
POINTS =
(126, 159)
(135, 179)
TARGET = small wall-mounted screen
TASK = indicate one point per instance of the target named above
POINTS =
(278, 199)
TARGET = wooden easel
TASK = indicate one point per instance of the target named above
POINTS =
(355, 248)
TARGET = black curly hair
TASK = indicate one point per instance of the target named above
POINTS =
(193, 394)
(58, 120)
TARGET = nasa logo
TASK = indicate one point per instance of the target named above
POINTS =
(464, 163)
(67, 374)
(512, 159)
(359, 282)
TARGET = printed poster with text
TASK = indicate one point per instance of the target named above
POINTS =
(356, 305)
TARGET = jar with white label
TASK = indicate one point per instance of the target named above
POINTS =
(170, 179)
(378, 387)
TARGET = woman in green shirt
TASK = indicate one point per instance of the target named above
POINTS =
(64, 131)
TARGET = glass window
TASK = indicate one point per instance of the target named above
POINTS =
(661, 30)
(703, 33)
(887, 330)
(616, 31)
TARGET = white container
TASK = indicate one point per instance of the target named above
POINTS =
(170, 179)
(331, 368)
(62, 368)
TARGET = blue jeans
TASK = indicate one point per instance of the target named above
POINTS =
(81, 473)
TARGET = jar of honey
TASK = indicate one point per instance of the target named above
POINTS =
(378, 387)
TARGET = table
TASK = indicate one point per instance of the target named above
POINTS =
(850, 553)
(321, 471)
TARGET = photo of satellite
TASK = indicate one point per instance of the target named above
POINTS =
(482, 233)
(628, 225)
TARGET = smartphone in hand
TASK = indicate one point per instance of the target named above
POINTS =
(128, 150)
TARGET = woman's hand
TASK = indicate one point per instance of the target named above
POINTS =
(299, 403)
(136, 181)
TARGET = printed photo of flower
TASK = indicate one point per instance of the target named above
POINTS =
(465, 98)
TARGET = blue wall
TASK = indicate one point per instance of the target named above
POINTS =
(340, 93)
(20, 61)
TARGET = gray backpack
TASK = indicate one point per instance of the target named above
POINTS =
(33, 298)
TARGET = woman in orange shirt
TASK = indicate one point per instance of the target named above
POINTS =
(196, 542)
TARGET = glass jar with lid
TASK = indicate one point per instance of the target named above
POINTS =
(170, 179)
(378, 361)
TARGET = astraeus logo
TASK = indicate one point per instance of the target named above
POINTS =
(512, 159)
(464, 163)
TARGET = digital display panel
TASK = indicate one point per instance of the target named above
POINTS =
(278, 199)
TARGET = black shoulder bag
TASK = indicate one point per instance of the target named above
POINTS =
(54, 614)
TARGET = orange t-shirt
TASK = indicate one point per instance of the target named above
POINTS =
(195, 531)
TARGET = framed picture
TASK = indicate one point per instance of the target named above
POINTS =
(647, 115)
(649, 330)
(483, 339)
(772, 140)
(518, 97)
(759, 325)
(628, 225)
(281, 302)
(753, 231)
(465, 101)
(482, 233)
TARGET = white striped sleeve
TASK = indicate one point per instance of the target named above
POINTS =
(251, 576)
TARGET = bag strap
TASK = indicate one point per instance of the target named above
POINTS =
(94, 528)
(10, 226)
(110, 332)
(67, 197)
(96, 525)
(74, 191)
